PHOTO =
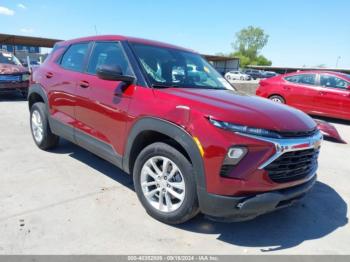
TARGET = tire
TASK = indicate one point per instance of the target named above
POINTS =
(228, 77)
(39, 124)
(183, 210)
(277, 99)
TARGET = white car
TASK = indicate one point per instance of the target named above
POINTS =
(236, 75)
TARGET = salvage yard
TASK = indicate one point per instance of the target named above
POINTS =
(69, 201)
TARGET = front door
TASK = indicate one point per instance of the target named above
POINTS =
(333, 97)
(102, 108)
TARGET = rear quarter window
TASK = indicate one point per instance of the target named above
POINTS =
(307, 79)
(73, 58)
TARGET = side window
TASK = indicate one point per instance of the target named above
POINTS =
(108, 53)
(306, 79)
(73, 58)
(334, 82)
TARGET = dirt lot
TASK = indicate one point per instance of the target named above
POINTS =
(69, 201)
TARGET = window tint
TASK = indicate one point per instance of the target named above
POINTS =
(307, 79)
(108, 53)
(73, 58)
(332, 81)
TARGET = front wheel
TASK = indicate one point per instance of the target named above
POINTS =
(165, 184)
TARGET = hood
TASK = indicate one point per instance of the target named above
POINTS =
(240, 108)
(12, 69)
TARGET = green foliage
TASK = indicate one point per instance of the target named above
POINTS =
(249, 42)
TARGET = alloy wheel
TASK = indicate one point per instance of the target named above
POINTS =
(37, 126)
(162, 184)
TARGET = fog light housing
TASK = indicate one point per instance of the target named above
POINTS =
(235, 155)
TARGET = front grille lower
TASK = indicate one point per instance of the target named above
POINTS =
(293, 165)
(226, 170)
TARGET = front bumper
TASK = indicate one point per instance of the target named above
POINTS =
(232, 209)
(11, 86)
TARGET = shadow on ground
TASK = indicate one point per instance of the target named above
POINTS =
(320, 213)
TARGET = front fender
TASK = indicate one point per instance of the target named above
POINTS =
(174, 131)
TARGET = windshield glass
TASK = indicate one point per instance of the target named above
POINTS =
(7, 58)
(168, 67)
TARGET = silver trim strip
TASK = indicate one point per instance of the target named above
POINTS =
(284, 145)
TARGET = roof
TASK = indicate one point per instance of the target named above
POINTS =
(126, 38)
(340, 74)
(27, 40)
(220, 58)
(293, 69)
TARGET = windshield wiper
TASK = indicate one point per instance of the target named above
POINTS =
(163, 86)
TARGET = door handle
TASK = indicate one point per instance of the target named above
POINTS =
(322, 93)
(49, 75)
(84, 84)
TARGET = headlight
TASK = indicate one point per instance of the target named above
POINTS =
(244, 129)
(25, 77)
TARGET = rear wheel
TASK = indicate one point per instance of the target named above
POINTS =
(277, 99)
(165, 185)
(41, 132)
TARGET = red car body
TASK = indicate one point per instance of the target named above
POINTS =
(83, 106)
(322, 93)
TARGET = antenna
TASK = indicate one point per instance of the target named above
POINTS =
(95, 29)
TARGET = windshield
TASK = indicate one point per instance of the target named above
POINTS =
(7, 58)
(166, 67)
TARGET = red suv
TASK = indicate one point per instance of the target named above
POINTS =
(314, 92)
(163, 114)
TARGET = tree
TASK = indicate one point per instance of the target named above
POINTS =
(248, 43)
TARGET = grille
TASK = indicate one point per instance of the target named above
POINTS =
(293, 166)
(298, 134)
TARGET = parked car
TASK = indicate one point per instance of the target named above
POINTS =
(255, 74)
(269, 74)
(236, 75)
(192, 143)
(314, 92)
(13, 76)
(33, 63)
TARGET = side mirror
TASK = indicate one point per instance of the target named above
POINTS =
(113, 73)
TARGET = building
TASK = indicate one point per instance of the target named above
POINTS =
(223, 64)
(25, 46)
(20, 48)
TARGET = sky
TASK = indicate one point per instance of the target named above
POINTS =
(301, 32)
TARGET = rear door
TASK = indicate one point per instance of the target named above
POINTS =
(300, 90)
(61, 79)
(333, 96)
